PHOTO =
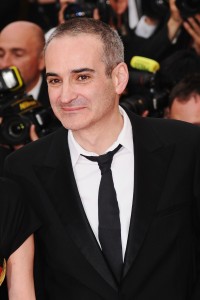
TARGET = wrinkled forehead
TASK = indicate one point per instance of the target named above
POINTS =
(79, 47)
(14, 44)
(79, 40)
(20, 39)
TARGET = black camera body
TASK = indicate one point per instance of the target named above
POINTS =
(146, 93)
(85, 8)
(19, 110)
(188, 8)
(159, 8)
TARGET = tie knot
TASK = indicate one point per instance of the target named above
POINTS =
(105, 160)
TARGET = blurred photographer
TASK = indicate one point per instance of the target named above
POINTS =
(21, 45)
(150, 83)
(184, 100)
(67, 9)
(153, 29)
(64, 9)
(41, 12)
(22, 118)
(187, 14)
(175, 26)
(19, 112)
(147, 93)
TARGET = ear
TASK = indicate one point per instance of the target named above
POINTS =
(120, 77)
(41, 63)
(145, 113)
(166, 113)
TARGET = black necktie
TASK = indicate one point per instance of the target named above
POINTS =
(109, 220)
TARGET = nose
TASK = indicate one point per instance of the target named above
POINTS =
(5, 61)
(68, 93)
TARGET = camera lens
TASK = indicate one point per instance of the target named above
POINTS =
(188, 8)
(76, 10)
(15, 130)
(193, 4)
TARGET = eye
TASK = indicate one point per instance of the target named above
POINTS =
(2, 53)
(18, 53)
(83, 77)
(53, 81)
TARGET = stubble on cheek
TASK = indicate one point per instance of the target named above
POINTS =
(72, 120)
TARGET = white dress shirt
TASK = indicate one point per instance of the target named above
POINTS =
(145, 30)
(35, 91)
(133, 17)
(88, 175)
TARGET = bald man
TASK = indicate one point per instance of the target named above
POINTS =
(21, 45)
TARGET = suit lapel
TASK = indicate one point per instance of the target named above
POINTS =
(56, 175)
(151, 164)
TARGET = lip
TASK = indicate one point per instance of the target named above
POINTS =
(72, 109)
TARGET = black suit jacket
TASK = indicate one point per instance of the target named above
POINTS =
(162, 256)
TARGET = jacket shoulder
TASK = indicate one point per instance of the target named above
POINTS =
(38, 149)
(164, 129)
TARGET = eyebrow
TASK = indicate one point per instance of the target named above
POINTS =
(75, 71)
(12, 49)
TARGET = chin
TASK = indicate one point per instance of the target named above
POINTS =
(74, 126)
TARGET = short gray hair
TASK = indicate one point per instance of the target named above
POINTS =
(113, 48)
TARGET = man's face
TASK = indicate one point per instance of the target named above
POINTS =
(188, 111)
(19, 48)
(81, 94)
(119, 6)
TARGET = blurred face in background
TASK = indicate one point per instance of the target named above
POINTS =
(63, 5)
(21, 45)
(119, 6)
(188, 110)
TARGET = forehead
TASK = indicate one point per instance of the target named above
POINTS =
(78, 47)
(118, 2)
(83, 38)
(13, 39)
(67, 1)
(66, 54)
(187, 111)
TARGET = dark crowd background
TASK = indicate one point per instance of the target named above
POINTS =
(165, 36)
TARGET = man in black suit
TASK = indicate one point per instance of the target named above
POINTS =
(156, 176)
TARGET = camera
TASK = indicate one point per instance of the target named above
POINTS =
(145, 93)
(86, 9)
(19, 110)
(159, 8)
(188, 8)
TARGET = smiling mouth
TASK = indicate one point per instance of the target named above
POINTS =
(72, 109)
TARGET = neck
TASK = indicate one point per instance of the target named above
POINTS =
(99, 139)
(32, 84)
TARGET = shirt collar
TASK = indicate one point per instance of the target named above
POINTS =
(124, 138)
(35, 91)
